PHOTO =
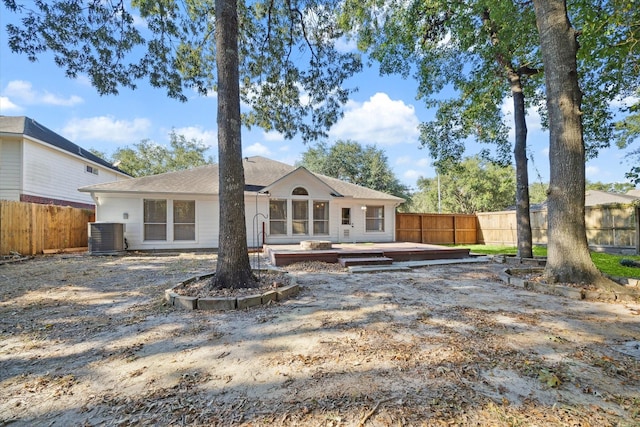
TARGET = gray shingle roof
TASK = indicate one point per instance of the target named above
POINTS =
(634, 193)
(21, 125)
(259, 172)
(597, 197)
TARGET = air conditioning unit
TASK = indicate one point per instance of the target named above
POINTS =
(106, 238)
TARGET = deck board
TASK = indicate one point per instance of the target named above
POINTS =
(281, 255)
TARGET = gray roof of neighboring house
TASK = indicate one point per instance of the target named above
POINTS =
(259, 172)
(597, 197)
(21, 125)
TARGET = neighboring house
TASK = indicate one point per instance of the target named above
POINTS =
(37, 165)
(597, 197)
(634, 193)
(283, 204)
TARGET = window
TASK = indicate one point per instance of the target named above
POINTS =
(346, 216)
(375, 218)
(320, 217)
(184, 220)
(91, 169)
(299, 191)
(300, 217)
(277, 217)
(155, 219)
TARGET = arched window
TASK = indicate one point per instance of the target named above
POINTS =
(299, 191)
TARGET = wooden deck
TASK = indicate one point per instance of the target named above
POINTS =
(281, 255)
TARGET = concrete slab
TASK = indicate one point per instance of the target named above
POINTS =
(425, 263)
(377, 268)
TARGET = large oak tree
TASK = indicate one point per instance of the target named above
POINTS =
(479, 47)
(278, 56)
(485, 50)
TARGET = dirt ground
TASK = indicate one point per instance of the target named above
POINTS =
(88, 341)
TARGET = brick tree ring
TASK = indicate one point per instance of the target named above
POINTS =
(221, 303)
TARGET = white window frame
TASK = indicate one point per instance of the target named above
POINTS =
(145, 223)
(175, 223)
(374, 222)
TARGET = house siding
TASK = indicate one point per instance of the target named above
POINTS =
(10, 161)
(54, 174)
(274, 180)
(129, 210)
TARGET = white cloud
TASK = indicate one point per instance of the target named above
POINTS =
(208, 137)
(8, 107)
(424, 162)
(412, 175)
(404, 160)
(380, 120)
(256, 149)
(273, 136)
(409, 160)
(625, 102)
(24, 92)
(346, 45)
(105, 128)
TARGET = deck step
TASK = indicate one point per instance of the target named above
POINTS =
(375, 260)
(363, 253)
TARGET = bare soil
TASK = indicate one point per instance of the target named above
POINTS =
(89, 341)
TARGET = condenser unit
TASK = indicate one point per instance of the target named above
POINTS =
(106, 238)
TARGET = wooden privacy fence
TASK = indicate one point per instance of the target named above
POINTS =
(436, 228)
(30, 228)
(611, 225)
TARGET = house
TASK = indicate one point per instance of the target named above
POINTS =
(634, 193)
(37, 165)
(597, 197)
(283, 205)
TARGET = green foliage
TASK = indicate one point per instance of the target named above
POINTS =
(611, 187)
(291, 73)
(476, 48)
(628, 131)
(540, 251)
(349, 161)
(608, 61)
(148, 158)
(607, 263)
(538, 192)
(610, 264)
(474, 185)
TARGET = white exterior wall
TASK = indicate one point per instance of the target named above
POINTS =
(320, 192)
(113, 207)
(256, 205)
(129, 210)
(10, 166)
(52, 173)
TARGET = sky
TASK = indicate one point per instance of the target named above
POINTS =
(383, 112)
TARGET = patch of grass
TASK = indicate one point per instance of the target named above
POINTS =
(607, 263)
(610, 264)
(501, 250)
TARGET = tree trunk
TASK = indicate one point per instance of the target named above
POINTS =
(233, 268)
(523, 218)
(568, 258)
